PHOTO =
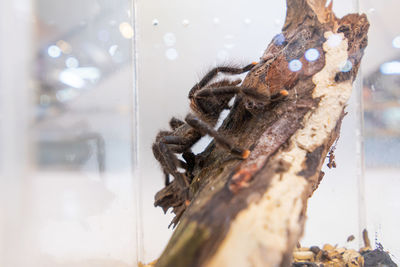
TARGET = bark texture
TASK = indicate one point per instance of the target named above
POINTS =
(252, 212)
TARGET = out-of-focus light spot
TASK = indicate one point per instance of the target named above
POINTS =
(216, 20)
(72, 62)
(334, 40)
(295, 65)
(88, 73)
(171, 54)
(396, 42)
(64, 46)
(155, 22)
(185, 22)
(371, 10)
(126, 30)
(278, 22)
(54, 51)
(75, 77)
(66, 94)
(112, 50)
(169, 39)
(229, 36)
(311, 54)
(279, 39)
(71, 79)
(346, 66)
(247, 21)
(390, 68)
(103, 35)
(222, 55)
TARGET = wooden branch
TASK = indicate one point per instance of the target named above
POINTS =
(252, 212)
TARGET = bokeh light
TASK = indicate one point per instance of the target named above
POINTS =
(279, 39)
(396, 42)
(311, 54)
(390, 68)
(72, 62)
(185, 22)
(126, 30)
(54, 51)
(346, 66)
(171, 54)
(65, 47)
(169, 39)
(295, 65)
(112, 50)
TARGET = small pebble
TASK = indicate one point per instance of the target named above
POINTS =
(303, 255)
(328, 247)
(350, 238)
(315, 249)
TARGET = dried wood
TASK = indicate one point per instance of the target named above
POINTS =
(252, 212)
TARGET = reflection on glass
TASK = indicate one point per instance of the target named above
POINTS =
(70, 196)
(381, 93)
(80, 53)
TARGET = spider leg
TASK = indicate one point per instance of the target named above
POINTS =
(278, 96)
(165, 148)
(214, 72)
(166, 179)
(176, 140)
(190, 159)
(231, 90)
(170, 162)
(175, 123)
(158, 155)
(166, 166)
(225, 142)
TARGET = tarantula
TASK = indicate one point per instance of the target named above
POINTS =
(208, 98)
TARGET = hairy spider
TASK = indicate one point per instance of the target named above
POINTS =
(208, 98)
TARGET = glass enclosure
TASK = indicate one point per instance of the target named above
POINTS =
(67, 131)
(85, 86)
(381, 95)
(179, 41)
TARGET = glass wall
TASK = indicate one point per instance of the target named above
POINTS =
(67, 131)
(381, 93)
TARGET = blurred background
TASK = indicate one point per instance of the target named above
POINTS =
(67, 120)
(86, 85)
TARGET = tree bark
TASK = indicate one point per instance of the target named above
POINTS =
(252, 212)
